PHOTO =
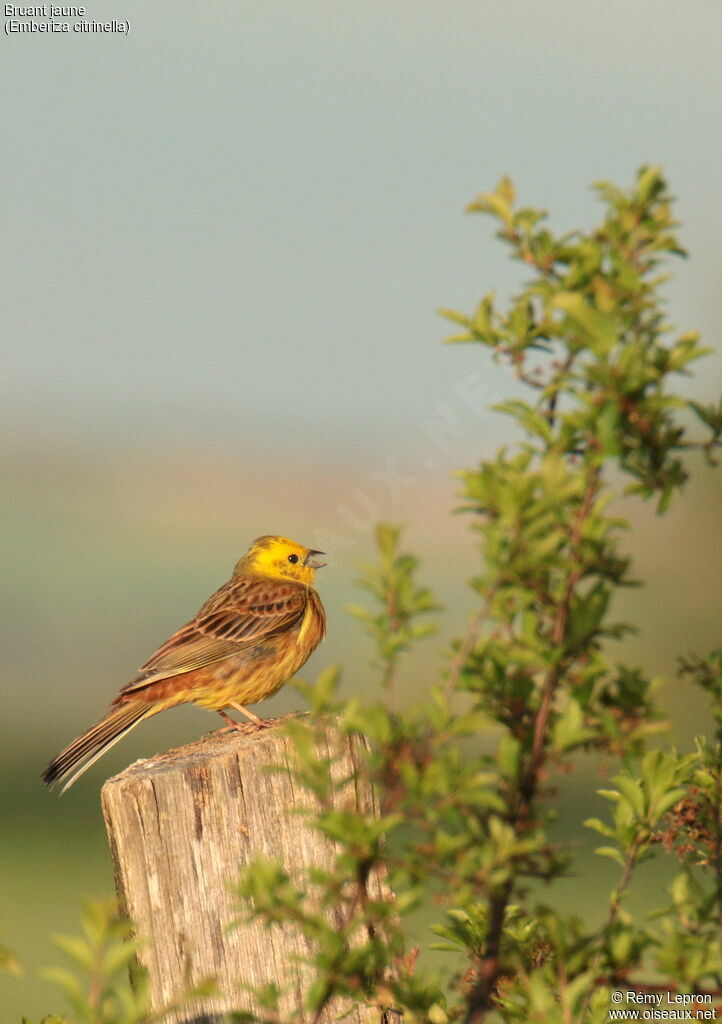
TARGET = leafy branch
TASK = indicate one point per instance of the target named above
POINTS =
(462, 826)
(393, 626)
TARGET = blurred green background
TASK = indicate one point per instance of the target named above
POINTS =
(225, 238)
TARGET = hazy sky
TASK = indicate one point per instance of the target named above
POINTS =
(236, 222)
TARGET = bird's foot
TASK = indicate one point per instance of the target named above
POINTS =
(255, 725)
(260, 725)
(232, 724)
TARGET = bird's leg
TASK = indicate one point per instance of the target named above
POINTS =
(253, 724)
(260, 723)
(232, 723)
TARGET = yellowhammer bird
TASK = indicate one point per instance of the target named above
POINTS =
(247, 640)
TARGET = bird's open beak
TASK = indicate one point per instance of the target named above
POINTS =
(312, 562)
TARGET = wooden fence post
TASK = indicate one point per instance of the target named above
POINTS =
(181, 826)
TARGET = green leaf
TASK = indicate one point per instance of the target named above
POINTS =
(600, 826)
(498, 203)
(118, 957)
(387, 539)
(631, 789)
(710, 415)
(437, 1014)
(77, 949)
(71, 985)
(568, 730)
(359, 612)
(8, 963)
(611, 853)
(609, 794)
(650, 183)
(509, 756)
(608, 423)
(531, 419)
(322, 693)
(667, 800)
(600, 330)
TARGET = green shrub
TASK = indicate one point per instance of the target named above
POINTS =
(465, 829)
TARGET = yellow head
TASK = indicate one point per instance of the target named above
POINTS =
(280, 558)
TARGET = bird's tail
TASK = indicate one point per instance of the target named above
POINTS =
(86, 749)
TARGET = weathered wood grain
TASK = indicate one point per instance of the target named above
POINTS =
(181, 826)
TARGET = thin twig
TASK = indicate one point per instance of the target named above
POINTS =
(560, 623)
(614, 906)
(718, 838)
(470, 641)
(563, 371)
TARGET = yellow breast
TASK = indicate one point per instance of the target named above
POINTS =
(261, 672)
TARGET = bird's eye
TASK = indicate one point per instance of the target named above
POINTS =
(293, 558)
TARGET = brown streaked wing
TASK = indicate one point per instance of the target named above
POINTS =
(243, 613)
